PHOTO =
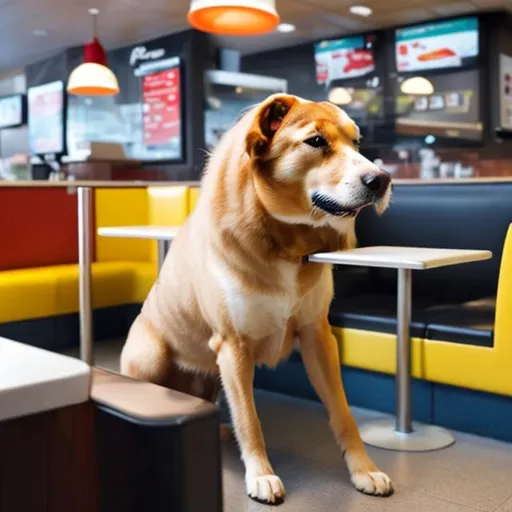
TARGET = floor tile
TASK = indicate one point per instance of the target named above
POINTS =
(506, 507)
(313, 487)
(473, 474)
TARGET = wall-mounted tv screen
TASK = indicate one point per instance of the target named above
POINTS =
(161, 118)
(339, 59)
(46, 118)
(452, 111)
(12, 111)
(437, 45)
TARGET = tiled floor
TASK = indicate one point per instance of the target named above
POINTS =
(474, 474)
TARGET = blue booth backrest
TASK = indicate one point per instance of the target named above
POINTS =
(455, 216)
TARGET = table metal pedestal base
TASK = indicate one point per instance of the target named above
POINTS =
(424, 438)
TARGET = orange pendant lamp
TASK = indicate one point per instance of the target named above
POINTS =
(234, 17)
(93, 77)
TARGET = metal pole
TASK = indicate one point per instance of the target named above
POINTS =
(84, 273)
(163, 247)
(403, 353)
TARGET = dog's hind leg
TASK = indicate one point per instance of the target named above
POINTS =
(320, 355)
(237, 373)
(147, 357)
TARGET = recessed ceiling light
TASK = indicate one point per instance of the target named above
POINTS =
(286, 28)
(361, 10)
(39, 32)
(94, 11)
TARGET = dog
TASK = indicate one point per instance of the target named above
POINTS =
(236, 289)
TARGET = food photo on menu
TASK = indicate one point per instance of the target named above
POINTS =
(437, 45)
(350, 57)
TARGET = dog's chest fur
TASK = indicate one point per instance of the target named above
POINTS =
(265, 317)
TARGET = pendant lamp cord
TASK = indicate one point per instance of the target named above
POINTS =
(94, 13)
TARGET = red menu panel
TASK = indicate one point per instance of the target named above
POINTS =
(162, 107)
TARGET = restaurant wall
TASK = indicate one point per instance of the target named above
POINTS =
(491, 157)
(296, 65)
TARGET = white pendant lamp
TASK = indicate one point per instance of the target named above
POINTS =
(93, 77)
(340, 96)
(234, 17)
(417, 86)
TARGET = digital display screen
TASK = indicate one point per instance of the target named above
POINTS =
(161, 98)
(438, 45)
(350, 57)
(46, 118)
(11, 111)
(452, 111)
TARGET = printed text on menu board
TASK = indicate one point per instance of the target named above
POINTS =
(161, 99)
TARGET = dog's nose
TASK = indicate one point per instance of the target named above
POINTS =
(377, 182)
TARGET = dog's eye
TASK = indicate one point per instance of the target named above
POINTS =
(316, 142)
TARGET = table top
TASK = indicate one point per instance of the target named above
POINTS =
(150, 232)
(413, 258)
(33, 380)
(95, 184)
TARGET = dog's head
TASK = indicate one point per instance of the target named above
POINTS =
(307, 165)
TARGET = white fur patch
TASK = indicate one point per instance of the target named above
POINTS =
(265, 488)
(374, 483)
(254, 315)
(293, 219)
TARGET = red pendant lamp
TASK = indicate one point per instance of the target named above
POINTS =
(93, 77)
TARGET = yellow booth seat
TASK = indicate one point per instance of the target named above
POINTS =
(124, 270)
(51, 291)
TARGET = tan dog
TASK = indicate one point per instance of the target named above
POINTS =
(235, 291)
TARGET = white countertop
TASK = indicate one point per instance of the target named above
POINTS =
(33, 380)
(95, 184)
(151, 232)
(413, 258)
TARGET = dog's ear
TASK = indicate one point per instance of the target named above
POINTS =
(268, 119)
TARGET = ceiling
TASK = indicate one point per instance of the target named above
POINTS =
(125, 22)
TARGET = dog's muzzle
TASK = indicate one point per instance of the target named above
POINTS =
(331, 206)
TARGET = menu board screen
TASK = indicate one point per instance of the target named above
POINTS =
(161, 98)
(343, 58)
(11, 111)
(438, 45)
(46, 118)
(452, 111)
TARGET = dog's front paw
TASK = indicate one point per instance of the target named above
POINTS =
(374, 483)
(266, 489)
